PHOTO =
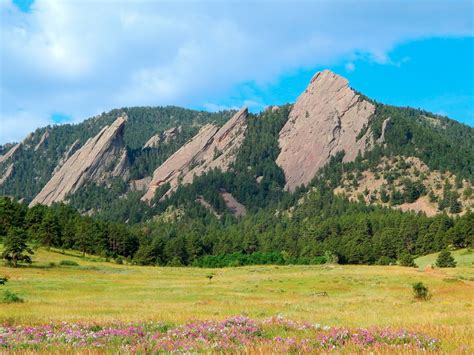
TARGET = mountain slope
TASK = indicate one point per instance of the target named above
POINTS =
(173, 157)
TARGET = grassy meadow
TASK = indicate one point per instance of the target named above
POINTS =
(357, 296)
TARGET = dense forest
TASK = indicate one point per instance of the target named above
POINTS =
(322, 225)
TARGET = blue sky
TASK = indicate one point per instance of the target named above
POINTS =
(64, 61)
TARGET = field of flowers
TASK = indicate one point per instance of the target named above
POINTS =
(99, 306)
(230, 335)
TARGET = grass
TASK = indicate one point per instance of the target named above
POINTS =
(464, 258)
(358, 296)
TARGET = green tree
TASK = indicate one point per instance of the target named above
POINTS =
(15, 248)
(445, 259)
(49, 231)
(407, 260)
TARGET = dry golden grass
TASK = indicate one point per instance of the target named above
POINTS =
(361, 296)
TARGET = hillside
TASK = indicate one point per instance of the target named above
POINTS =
(334, 172)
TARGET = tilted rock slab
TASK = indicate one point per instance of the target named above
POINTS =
(10, 153)
(326, 119)
(212, 147)
(168, 136)
(99, 158)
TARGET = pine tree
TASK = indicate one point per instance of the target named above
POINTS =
(445, 259)
(407, 260)
(15, 248)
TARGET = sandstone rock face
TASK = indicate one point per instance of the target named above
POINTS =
(95, 161)
(43, 139)
(234, 206)
(71, 150)
(10, 153)
(212, 147)
(385, 126)
(153, 142)
(326, 119)
(8, 172)
(168, 136)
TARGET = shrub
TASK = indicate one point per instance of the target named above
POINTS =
(421, 292)
(119, 260)
(68, 263)
(385, 260)
(10, 297)
(445, 259)
(331, 257)
(407, 260)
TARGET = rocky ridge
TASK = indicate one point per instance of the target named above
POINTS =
(212, 147)
(327, 118)
(100, 157)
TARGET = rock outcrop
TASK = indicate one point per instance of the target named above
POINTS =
(43, 139)
(69, 152)
(10, 153)
(327, 118)
(99, 158)
(6, 174)
(153, 142)
(212, 147)
(166, 137)
(234, 206)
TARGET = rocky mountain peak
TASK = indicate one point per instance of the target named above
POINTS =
(100, 157)
(212, 147)
(327, 118)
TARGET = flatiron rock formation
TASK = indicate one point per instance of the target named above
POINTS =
(212, 147)
(166, 137)
(99, 158)
(327, 118)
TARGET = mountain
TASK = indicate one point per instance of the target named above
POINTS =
(100, 157)
(326, 118)
(398, 157)
(334, 176)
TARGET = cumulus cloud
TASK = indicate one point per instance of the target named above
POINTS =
(82, 58)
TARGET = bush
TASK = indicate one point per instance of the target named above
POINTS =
(421, 292)
(331, 257)
(407, 260)
(119, 260)
(445, 259)
(10, 297)
(68, 263)
(385, 260)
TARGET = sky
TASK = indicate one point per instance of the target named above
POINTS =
(65, 61)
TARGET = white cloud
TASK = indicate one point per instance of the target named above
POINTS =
(82, 58)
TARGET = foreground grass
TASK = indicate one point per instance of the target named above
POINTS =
(358, 296)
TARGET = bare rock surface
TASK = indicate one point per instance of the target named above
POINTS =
(153, 142)
(212, 147)
(8, 172)
(43, 139)
(96, 160)
(67, 154)
(166, 137)
(10, 153)
(140, 184)
(237, 209)
(207, 206)
(326, 119)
